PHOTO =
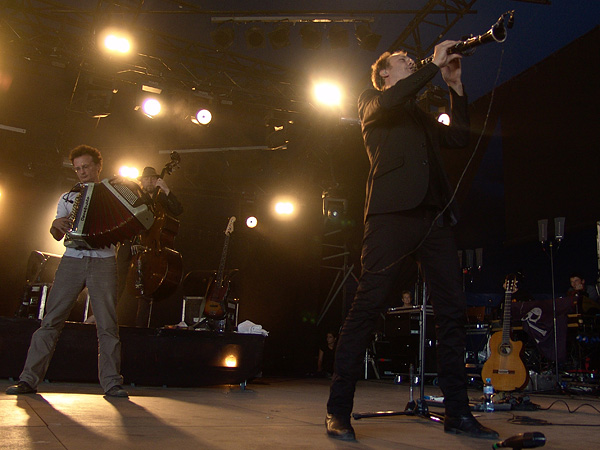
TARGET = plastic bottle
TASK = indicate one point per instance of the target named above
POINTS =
(488, 392)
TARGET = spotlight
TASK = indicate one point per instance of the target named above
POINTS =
(255, 37)
(223, 37)
(444, 118)
(151, 107)
(251, 222)
(366, 38)
(334, 208)
(202, 117)
(311, 37)
(328, 94)
(284, 208)
(230, 361)
(129, 172)
(117, 44)
(338, 36)
(334, 205)
(278, 139)
(115, 41)
(280, 36)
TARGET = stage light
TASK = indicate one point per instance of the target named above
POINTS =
(116, 43)
(223, 37)
(129, 172)
(284, 208)
(230, 361)
(251, 222)
(328, 94)
(311, 37)
(151, 107)
(338, 36)
(444, 118)
(255, 37)
(202, 117)
(334, 208)
(366, 38)
(278, 139)
(280, 36)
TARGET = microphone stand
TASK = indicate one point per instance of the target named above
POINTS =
(418, 408)
(558, 236)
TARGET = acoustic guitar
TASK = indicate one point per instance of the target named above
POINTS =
(504, 366)
(217, 291)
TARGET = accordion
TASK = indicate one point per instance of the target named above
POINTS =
(108, 212)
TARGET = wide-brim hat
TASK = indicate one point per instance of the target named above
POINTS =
(148, 172)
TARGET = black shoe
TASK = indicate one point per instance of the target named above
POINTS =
(468, 425)
(338, 427)
(116, 391)
(21, 387)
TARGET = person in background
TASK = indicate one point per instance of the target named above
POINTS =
(407, 299)
(586, 297)
(326, 355)
(159, 193)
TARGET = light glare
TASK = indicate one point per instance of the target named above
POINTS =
(117, 44)
(129, 172)
(284, 208)
(204, 117)
(328, 94)
(444, 118)
(251, 222)
(231, 361)
(151, 107)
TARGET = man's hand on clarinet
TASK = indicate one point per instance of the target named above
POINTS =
(449, 65)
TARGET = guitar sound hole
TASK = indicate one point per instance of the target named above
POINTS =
(505, 350)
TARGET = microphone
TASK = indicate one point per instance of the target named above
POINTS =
(523, 440)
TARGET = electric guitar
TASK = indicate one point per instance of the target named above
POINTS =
(504, 366)
(217, 291)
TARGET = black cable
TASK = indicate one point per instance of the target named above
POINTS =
(569, 409)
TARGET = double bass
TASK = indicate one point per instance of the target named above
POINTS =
(156, 267)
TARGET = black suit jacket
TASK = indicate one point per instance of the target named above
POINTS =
(397, 135)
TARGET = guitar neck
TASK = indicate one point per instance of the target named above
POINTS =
(506, 318)
(221, 271)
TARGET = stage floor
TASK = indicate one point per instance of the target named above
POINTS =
(270, 414)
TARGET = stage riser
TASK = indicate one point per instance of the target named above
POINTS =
(150, 357)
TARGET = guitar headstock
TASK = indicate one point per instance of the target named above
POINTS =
(229, 228)
(510, 284)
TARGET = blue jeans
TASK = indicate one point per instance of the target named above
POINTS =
(72, 275)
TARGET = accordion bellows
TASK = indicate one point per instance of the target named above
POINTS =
(108, 212)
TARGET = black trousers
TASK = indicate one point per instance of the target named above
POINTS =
(388, 250)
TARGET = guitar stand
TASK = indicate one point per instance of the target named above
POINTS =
(418, 407)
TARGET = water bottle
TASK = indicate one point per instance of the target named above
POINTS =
(488, 392)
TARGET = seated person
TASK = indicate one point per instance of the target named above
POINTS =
(586, 296)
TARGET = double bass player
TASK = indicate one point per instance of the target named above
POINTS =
(165, 202)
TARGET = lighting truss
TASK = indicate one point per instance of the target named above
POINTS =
(63, 34)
